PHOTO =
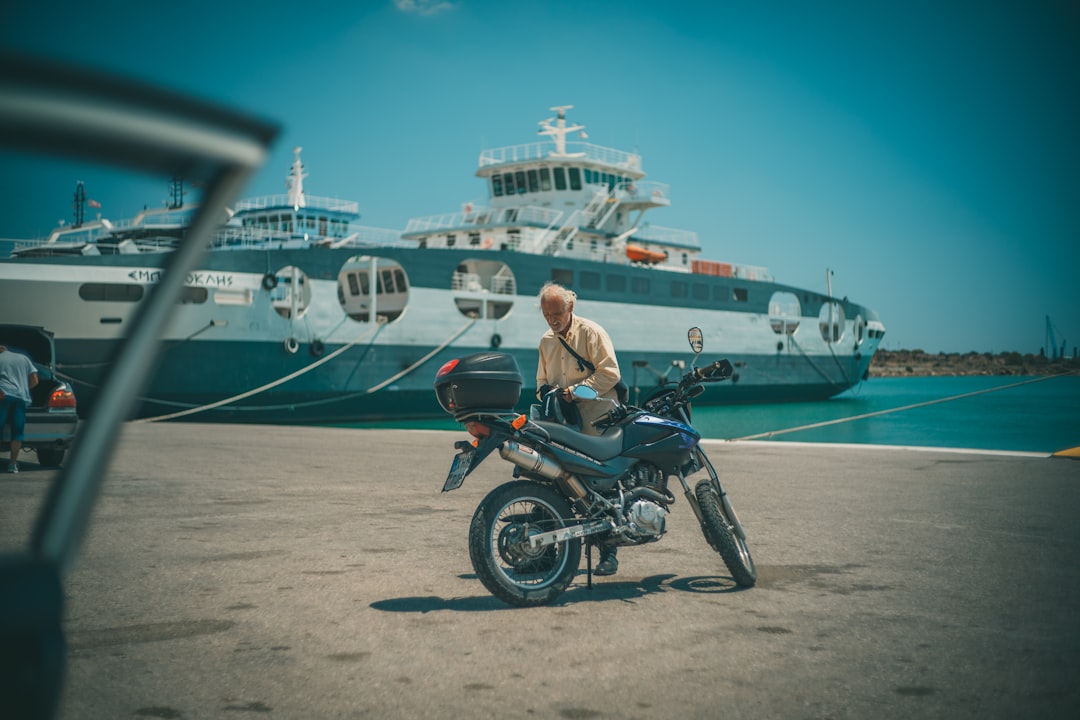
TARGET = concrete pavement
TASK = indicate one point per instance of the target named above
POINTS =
(250, 571)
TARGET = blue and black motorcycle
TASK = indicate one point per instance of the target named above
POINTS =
(526, 535)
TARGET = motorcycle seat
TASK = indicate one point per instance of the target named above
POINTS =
(602, 447)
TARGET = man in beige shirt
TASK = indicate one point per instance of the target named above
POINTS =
(558, 367)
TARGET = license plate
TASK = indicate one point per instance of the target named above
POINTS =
(460, 466)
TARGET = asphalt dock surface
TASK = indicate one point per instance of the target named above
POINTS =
(281, 572)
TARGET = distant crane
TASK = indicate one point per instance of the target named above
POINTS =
(1052, 351)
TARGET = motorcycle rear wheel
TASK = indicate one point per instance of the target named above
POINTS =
(504, 561)
(721, 536)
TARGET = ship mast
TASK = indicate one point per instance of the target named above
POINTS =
(295, 181)
(79, 203)
(559, 130)
(176, 190)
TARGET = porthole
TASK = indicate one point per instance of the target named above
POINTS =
(784, 313)
(483, 289)
(391, 288)
(831, 322)
(291, 294)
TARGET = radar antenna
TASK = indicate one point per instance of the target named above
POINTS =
(559, 130)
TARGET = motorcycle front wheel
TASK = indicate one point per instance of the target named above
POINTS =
(508, 566)
(721, 536)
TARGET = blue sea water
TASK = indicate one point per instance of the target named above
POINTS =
(1026, 414)
(1033, 414)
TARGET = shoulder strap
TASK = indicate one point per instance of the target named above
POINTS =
(582, 363)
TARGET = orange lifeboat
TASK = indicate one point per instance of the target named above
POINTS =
(636, 253)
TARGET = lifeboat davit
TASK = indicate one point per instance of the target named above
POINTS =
(636, 253)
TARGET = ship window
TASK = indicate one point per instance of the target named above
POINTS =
(560, 178)
(193, 296)
(365, 283)
(400, 281)
(496, 185)
(588, 176)
(678, 289)
(474, 238)
(388, 281)
(589, 280)
(739, 294)
(508, 181)
(534, 181)
(545, 179)
(451, 240)
(562, 277)
(575, 178)
(519, 181)
(354, 284)
(639, 285)
(616, 283)
(111, 292)
(700, 291)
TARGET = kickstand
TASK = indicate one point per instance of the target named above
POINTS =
(588, 563)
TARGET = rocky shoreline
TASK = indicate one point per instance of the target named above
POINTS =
(907, 363)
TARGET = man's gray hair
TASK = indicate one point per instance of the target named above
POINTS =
(555, 290)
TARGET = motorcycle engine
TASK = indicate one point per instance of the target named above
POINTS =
(642, 475)
(646, 519)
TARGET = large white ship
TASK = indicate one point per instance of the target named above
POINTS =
(299, 314)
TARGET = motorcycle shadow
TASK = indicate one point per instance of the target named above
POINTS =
(602, 590)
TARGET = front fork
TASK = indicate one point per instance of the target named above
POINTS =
(729, 512)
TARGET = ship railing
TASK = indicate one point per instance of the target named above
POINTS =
(471, 282)
(646, 191)
(366, 236)
(518, 215)
(543, 150)
(311, 202)
(682, 239)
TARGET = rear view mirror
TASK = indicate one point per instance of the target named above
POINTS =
(584, 392)
(697, 342)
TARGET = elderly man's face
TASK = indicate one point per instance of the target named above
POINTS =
(557, 314)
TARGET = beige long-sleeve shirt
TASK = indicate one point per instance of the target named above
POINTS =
(557, 366)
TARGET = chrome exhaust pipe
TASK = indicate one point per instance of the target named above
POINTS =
(533, 461)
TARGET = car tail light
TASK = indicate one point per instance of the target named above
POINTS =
(61, 398)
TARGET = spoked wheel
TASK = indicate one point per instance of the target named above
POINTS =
(721, 535)
(508, 566)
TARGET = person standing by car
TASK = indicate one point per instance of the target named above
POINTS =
(577, 351)
(17, 377)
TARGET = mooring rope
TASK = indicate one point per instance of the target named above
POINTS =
(267, 386)
(838, 421)
(308, 368)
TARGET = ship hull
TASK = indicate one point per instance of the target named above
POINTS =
(236, 351)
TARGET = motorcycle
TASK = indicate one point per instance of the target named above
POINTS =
(525, 538)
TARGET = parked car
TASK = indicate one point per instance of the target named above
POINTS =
(51, 420)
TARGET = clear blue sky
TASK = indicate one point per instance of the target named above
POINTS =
(927, 152)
